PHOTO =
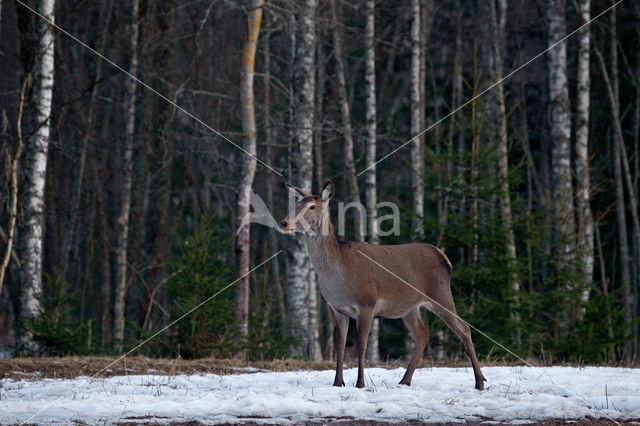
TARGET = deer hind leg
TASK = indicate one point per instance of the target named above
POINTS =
(364, 325)
(447, 313)
(342, 325)
(420, 333)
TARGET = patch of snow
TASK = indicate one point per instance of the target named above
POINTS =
(513, 394)
(249, 369)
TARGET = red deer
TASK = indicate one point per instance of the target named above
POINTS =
(357, 281)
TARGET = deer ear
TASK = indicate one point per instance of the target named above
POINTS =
(299, 193)
(328, 191)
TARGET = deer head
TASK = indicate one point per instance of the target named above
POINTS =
(310, 211)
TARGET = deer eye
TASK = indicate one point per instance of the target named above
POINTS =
(312, 207)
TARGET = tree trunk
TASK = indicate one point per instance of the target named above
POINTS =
(417, 159)
(36, 174)
(454, 161)
(77, 194)
(271, 178)
(633, 203)
(560, 135)
(497, 24)
(345, 114)
(585, 242)
(326, 314)
(621, 174)
(474, 252)
(321, 61)
(373, 348)
(105, 268)
(605, 287)
(623, 242)
(458, 118)
(14, 163)
(301, 279)
(127, 181)
(248, 166)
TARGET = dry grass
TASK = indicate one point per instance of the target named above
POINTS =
(74, 366)
(70, 367)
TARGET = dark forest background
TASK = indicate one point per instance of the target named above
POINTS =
(562, 297)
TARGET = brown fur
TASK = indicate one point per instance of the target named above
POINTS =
(355, 287)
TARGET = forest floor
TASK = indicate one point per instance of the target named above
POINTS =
(74, 366)
(195, 392)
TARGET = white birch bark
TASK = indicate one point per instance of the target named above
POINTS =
(127, 178)
(373, 347)
(417, 162)
(36, 173)
(585, 242)
(560, 133)
(301, 280)
(248, 166)
(503, 159)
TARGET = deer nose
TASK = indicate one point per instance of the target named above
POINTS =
(283, 224)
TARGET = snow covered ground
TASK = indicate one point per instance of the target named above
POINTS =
(513, 394)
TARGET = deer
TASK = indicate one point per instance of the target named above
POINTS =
(366, 281)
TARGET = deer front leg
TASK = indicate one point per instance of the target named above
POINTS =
(364, 325)
(342, 325)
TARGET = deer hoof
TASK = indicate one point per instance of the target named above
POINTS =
(360, 385)
(339, 383)
(405, 382)
(480, 383)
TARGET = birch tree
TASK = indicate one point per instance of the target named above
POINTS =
(301, 281)
(127, 181)
(417, 158)
(585, 242)
(248, 166)
(373, 348)
(36, 173)
(560, 133)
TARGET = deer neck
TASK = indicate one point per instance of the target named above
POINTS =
(323, 247)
